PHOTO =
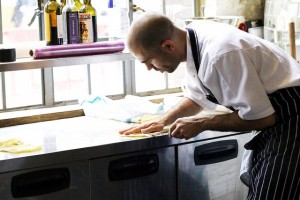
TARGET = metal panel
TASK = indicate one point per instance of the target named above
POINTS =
(207, 180)
(136, 176)
(67, 181)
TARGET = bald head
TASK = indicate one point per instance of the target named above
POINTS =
(149, 31)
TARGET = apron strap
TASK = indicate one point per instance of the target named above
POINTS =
(195, 51)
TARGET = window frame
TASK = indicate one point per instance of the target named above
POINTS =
(47, 79)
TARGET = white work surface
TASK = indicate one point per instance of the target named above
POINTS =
(65, 134)
(79, 138)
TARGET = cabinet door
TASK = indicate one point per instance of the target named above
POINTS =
(210, 169)
(68, 182)
(144, 175)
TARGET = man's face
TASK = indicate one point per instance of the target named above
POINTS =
(159, 60)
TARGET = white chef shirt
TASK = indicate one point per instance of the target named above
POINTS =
(239, 68)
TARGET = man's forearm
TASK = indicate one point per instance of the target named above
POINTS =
(186, 107)
(232, 122)
(189, 127)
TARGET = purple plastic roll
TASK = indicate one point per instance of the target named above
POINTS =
(77, 49)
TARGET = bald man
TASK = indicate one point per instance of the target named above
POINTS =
(254, 78)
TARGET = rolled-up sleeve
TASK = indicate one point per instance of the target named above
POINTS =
(234, 81)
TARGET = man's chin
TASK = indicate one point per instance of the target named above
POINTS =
(170, 70)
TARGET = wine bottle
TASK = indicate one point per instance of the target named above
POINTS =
(60, 27)
(62, 3)
(71, 23)
(88, 22)
(53, 23)
(78, 4)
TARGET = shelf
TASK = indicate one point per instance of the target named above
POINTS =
(30, 63)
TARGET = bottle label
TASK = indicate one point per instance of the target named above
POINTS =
(47, 27)
(72, 27)
(60, 31)
(53, 19)
(86, 27)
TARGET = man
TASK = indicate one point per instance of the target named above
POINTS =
(255, 78)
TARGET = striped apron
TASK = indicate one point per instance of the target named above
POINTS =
(275, 170)
(276, 151)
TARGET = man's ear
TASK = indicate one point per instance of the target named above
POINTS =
(168, 45)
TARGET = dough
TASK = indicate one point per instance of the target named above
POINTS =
(17, 146)
(144, 118)
(146, 135)
(10, 142)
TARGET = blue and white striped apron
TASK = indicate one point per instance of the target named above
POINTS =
(276, 151)
(275, 170)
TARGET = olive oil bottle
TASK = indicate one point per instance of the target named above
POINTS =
(88, 22)
(71, 23)
(78, 4)
(62, 3)
(53, 23)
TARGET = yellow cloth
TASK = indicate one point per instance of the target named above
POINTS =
(17, 146)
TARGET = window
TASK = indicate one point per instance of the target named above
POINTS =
(66, 84)
(70, 82)
(107, 78)
(177, 10)
(21, 88)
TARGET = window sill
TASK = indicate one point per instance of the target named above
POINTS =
(39, 115)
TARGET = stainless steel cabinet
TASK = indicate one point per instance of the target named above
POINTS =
(67, 182)
(138, 176)
(210, 169)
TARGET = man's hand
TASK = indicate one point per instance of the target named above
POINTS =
(145, 128)
(186, 107)
(187, 127)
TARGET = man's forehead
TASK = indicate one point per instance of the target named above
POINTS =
(142, 57)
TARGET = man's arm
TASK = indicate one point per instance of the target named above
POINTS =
(191, 126)
(186, 107)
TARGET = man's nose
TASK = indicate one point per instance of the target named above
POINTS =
(149, 66)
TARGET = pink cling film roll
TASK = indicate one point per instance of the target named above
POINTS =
(77, 49)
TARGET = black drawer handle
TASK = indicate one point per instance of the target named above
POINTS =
(215, 152)
(133, 167)
(40, 182)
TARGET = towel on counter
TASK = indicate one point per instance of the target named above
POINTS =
(131, 109)
(17, 146)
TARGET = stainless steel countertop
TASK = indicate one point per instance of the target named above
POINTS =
(80, 138)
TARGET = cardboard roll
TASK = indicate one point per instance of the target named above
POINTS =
(8, 55)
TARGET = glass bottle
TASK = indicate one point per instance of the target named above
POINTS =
(78, 4)
(61, 21)
(118, 13)
(88, 22)
(71, 23)
(53, 23)
(62, 3)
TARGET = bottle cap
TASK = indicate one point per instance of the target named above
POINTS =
(8, 55)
